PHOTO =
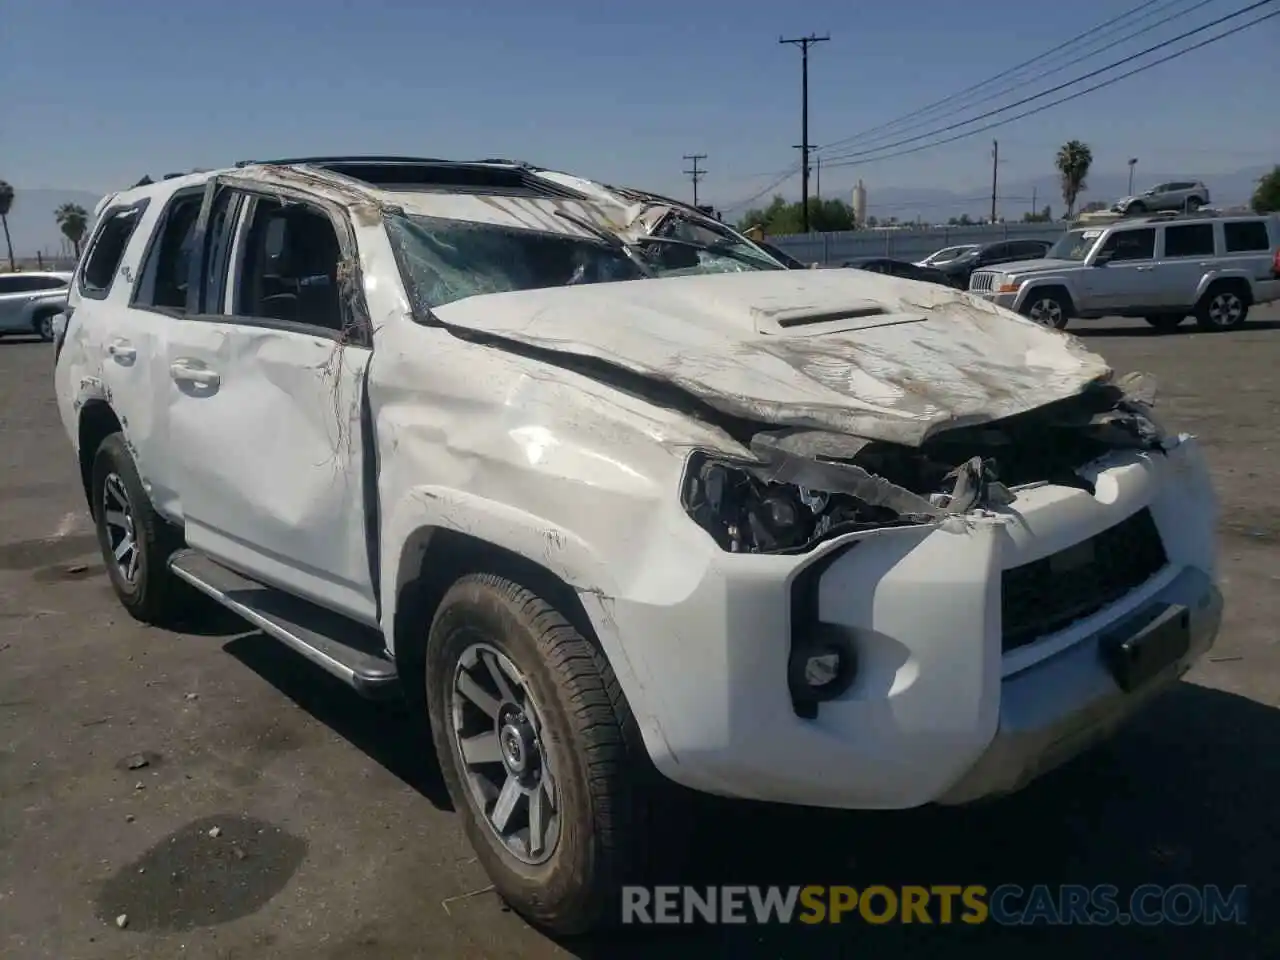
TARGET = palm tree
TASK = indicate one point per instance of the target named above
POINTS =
(1073, 162)
(6, 204)
(73, 219)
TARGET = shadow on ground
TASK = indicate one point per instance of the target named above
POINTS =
(1087, 329)
(384, 731)
(1186, 795)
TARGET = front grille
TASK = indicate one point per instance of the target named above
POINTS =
(1046, 595)
(981, 281)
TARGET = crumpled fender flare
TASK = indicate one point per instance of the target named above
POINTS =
(407, 531)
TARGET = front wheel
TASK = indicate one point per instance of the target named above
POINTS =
(530, 728)
(136, 542)
(1048, 308)
(44, 326)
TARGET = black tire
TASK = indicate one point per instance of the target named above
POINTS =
(43, 325)
(1224, 306)
(1049, 307)
(1136, 207)
(1194, 204)
(152, 594)
(606, 786)
(1165, 322)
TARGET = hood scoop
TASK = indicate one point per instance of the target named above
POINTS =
(811, 321)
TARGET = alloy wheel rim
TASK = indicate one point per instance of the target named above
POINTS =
(1046, 312)
(122, 538)
(1225, 310)
(46, 327)
(498, 733)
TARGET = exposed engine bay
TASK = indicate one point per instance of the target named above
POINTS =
(804, 487)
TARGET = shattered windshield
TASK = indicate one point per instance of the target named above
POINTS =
(446, 260)
(1073, 245)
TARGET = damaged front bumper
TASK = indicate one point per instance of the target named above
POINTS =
(943, 706)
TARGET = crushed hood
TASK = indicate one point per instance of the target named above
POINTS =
(874, 356)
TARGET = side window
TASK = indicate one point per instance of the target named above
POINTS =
(995, 253)
(52, 283)
(1243, 236)
(1130, 245)
(107, 249)
(1189, 240)
(164, 278)
(17, 283)
(288, 269)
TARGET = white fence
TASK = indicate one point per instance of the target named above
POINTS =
(911, 244)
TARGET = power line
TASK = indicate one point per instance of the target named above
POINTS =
(1062, 86)
(695, 174)
(1074, 96)
(1025, 81)
(931, 107)
(804, 43)
(782, 177)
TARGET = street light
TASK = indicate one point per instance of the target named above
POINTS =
(1133, 162)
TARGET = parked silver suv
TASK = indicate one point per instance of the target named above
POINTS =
(1178, 195)
(1163, 269)
(30, 300)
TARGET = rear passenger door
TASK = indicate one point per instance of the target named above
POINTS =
(267, 405)
(126, 339)
(1186, 257)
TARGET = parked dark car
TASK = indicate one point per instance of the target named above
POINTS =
(1003, 251)
(784, 258)
(900, 268)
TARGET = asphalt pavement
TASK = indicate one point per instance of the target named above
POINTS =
(228, 800)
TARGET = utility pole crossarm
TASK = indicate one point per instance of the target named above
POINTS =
(804, 43)
(695, 174)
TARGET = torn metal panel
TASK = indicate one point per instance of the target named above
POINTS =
(933, 360)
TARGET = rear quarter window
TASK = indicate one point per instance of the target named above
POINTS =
(1246, 236)
(107, 249)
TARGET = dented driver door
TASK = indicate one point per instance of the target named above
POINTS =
(267, 400)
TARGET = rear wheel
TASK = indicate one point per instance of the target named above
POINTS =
(1136, 207)
(136, 542)
(1223, 307)
(1194, 204)
(1050, 307)
(532, 734)
(1165, 322)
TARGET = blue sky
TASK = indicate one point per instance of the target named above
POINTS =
(99, 93)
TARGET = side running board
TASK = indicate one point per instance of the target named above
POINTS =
(350, 651)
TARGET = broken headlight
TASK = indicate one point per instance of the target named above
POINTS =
(747, 513)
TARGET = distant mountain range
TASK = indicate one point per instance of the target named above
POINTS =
(934, 205)
(33, 228)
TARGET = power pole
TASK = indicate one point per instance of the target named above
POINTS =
(695, 174)
(1033, 202)
(804, 43)
(995, 170)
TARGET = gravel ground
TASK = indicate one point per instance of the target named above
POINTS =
(233, 802)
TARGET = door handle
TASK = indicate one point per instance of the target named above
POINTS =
(185, 371)
(122, 352)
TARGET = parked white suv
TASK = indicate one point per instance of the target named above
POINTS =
(604, 506)
(1214, 267)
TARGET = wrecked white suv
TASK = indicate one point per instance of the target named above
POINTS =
(606, 505)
